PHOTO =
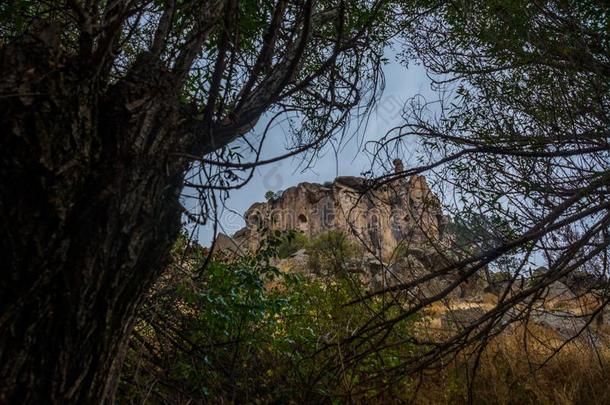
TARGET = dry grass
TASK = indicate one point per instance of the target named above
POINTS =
(511, 372)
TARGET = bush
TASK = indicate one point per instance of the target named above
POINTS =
(273, 196)
(244, 332)
(290, 243)
(329, 252)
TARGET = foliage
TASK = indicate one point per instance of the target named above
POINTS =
(246, 332)
(118, 119)
(329, 252)
(472, 232)
(521, 124)
(517, 137)
(500, 277)
(269, 195)
(290, 243)
(273, 195)
(112, 109)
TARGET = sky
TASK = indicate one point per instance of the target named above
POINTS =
(401, 84)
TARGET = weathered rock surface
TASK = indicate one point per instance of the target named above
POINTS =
(380, 217)
(226, 243)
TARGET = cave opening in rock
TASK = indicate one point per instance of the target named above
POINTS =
(374, 222)
(302, 222)
(255, 221)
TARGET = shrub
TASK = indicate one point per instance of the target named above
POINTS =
(244, 332)
(290, 243)
(329, 252)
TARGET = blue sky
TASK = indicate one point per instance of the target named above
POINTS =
(401, 83)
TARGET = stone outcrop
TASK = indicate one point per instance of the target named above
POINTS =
(379, 216)
(226, 244)
(400, 224)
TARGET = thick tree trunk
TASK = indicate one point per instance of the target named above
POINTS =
(88, 211)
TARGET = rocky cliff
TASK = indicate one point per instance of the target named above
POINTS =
(379, 216)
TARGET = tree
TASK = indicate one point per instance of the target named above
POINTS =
(520, 135)
(108, 110)
(291, 242)
(269, 195)
(330, 252)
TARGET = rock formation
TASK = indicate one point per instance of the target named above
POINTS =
(400, 224)
(379, 216)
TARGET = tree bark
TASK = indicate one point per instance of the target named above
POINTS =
(88, 210)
